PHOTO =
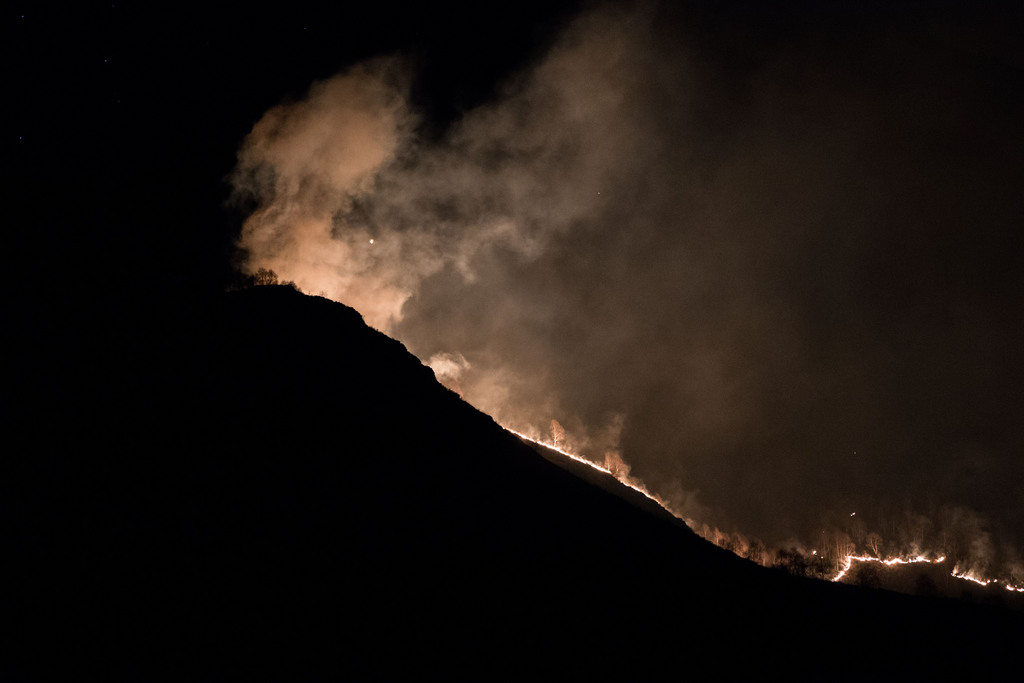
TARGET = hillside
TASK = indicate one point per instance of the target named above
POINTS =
(261, 484)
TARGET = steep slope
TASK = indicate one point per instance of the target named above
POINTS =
(262, 484)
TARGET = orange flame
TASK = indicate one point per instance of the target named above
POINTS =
(850, 559)
(623, 476)
(966, 575)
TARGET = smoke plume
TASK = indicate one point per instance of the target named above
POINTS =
(781, 288)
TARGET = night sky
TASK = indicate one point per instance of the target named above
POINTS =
(771, 257)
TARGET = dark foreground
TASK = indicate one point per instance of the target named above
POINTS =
(261, 486)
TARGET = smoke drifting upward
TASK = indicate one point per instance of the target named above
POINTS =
(307, 163)
(783, 285)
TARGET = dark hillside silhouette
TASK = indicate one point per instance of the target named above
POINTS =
(262, 485)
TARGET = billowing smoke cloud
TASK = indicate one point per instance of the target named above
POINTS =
(783, 290)
(306, 163)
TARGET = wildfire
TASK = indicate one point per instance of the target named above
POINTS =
(968, 576)
(626, 480)
(971, 576)
(845, 565)
(965, 575)
(850, 559)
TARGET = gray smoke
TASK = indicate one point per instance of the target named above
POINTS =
(783, 290)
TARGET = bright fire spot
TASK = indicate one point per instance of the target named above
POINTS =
(371, 241)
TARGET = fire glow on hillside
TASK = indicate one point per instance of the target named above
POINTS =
(845, 564)
(892, 561)
(621, 475)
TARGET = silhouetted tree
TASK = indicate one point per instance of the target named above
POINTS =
(758, 552)
(263, 276)
(792, 561)
(819, 567)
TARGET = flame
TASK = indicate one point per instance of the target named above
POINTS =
(956, 574)
(624, 478)
(622, 475)
(981, 581)
(970, 576)
(850, 559)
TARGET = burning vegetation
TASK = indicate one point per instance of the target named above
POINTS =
(959, 561)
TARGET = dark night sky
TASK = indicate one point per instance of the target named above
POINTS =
(115, 108)
(807, 244)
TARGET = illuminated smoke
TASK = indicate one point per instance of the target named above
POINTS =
(448, 369)
(751, 285)
(307, 162)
